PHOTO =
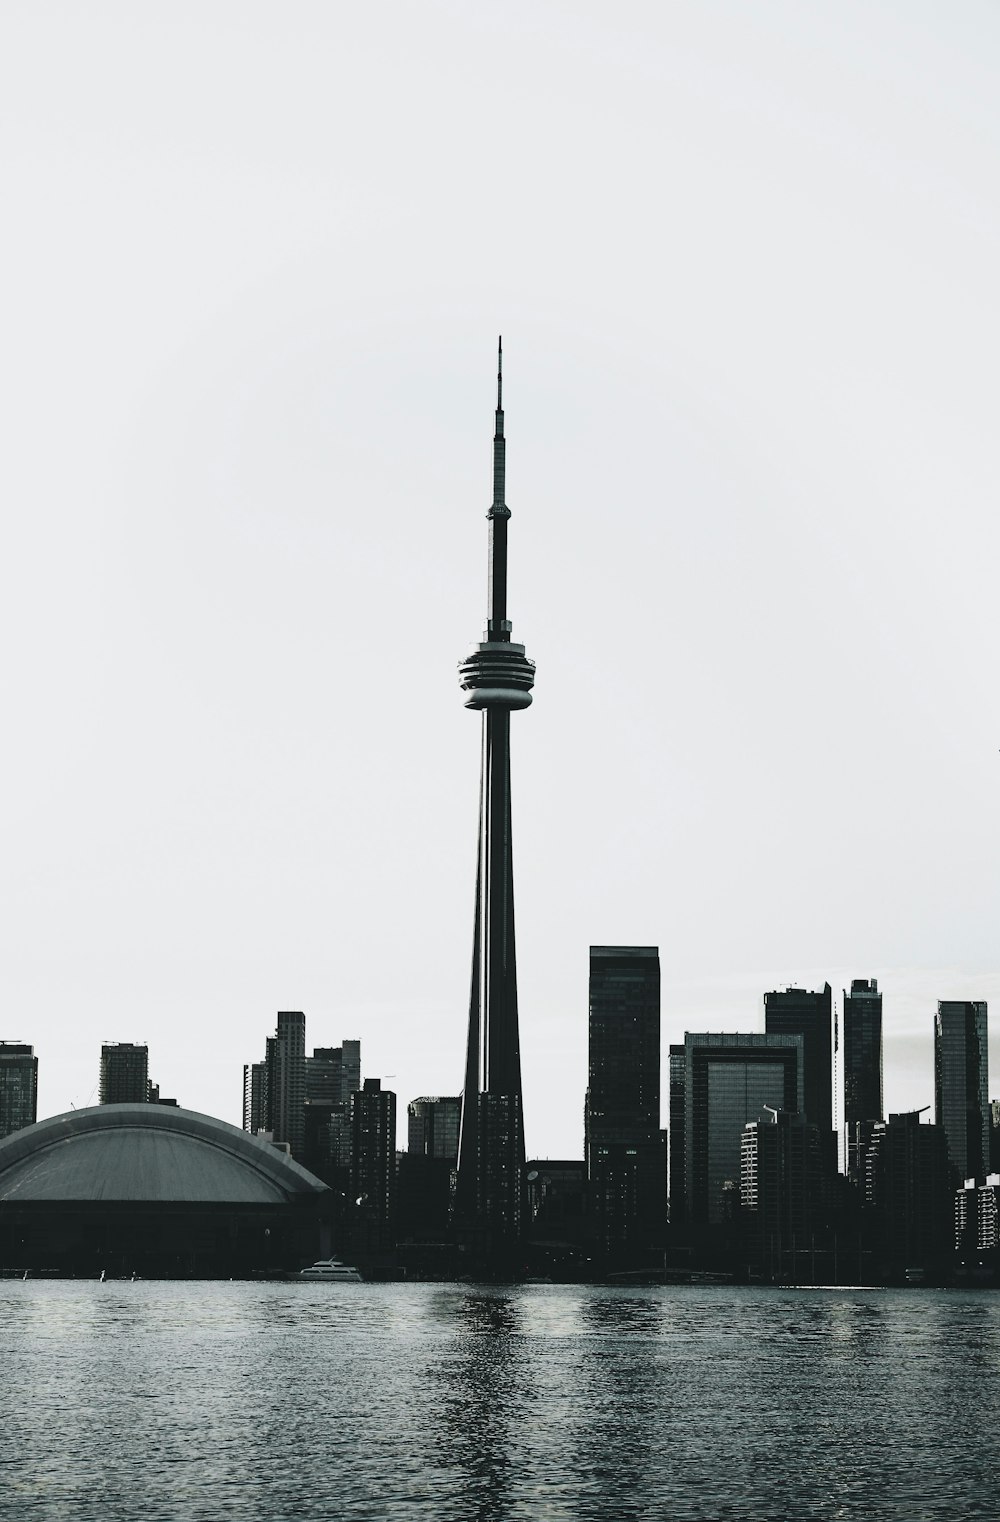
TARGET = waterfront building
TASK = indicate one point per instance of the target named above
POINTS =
(124, 1073)
(728, 1079)
(426, 1170)
(802, 1012)
(863, 1051)
(155, 1190)
(624, 1147)
(18, 1086)
(286, 1081)
(913, 1195)
(961, 1085)
(498, 677)
(779, 1178)
(373, 1163)
(860, 1155)
(675, 1153)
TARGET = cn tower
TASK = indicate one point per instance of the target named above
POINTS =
(497, 678)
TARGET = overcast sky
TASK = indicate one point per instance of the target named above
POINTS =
(254, 263)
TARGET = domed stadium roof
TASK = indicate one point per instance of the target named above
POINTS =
(147, 1152)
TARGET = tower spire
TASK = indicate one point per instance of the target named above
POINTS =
(497, 678)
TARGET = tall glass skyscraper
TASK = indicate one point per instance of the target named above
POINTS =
(728, 1080)
(625, 1150)
(961, 1084)
(862, 1051)
(799, 1011)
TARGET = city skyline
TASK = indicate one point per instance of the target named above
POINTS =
(745, 272)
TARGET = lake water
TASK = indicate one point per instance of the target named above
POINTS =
(269, 1402)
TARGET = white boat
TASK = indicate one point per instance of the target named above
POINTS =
(330, 1271)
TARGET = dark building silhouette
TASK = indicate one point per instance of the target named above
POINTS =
(779, 1177)
(624, 1147)
(728, 1079)
(961, 1085)
(863, 1051)
(373, 1164)
(995, 1135)
(426, 1170)
(913, 1196)
(18, 1086)
(432, 1126)
(800, 1012)
(333, 1073)
(124, 1073)
(676, 1134)
(557, 1192)
(498, 677)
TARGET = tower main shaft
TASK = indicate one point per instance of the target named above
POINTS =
(498, 677)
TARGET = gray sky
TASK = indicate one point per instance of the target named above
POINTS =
(255, 259)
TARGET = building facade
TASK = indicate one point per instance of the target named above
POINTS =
(863, 1051)
(802, 1012)
(18, 1086)
(124, 1073)
(373, 1163)
(623, 1146)
(491, 1203)
(913, 1196)
(728, 1080)
(432, 1126)
(779, 1177)
(961, 1085)
(285, 1081)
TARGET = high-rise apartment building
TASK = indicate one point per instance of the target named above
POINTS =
(333, 1073)
(624, 1147)
(373, 1161)
(961, 1085)
(491, 1203)
(913, 1196)
(779, 1176)
(255, 1097)
(728, 1080)
(675, 1100)
(18, 1086)
(801, 1012)
(124, 1073)
(862, 1051)
(286, 1080)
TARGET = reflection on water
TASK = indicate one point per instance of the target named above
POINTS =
(477, 1404)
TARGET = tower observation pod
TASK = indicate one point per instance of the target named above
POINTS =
(497, 678)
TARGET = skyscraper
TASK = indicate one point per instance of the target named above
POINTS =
(779, 1173)
(862, 1051)
(286, 1080)
(961, 1085)
(498, 677)
(373, 1162)
(432, 1127)
(625, 1151)
(18, 1086)
(798, 1011)
(728, 1079)
(124, 1073)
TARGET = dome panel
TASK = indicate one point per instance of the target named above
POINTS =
(139, 1152)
